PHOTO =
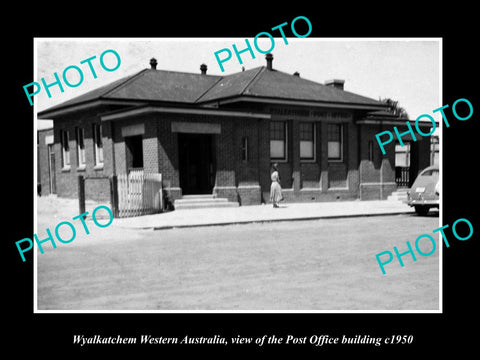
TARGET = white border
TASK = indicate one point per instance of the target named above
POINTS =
(35, 288)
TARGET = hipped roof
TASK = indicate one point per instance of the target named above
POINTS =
(156, 86)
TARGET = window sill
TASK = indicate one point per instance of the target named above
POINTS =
(66, 169)
(81, 168)
(98, 167)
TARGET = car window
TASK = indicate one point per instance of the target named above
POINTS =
(431, 172)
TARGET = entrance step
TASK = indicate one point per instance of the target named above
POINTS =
(399, 195)
(202, 201)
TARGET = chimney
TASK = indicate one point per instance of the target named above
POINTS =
(296, 73)
(153, 63)
(269, 58)
(336, 83)
(203, 69)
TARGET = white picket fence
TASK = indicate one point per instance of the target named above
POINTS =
(139, 193)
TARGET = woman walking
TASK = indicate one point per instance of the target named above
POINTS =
(275, 188)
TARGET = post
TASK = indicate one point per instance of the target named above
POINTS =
(114, 195)
(81, 194)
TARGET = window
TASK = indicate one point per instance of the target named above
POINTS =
(278, 140)
(370, 150)
(335, 142)
(244, 149)
(65, 149)
(98, 146)
(307, 141)
(431, 172)
(79, 135)
(402, 155)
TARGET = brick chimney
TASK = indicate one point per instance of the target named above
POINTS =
(203, 69)
(269, 58)
(336, 83)
(153, 63)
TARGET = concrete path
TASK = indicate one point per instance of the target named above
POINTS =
(264, 213)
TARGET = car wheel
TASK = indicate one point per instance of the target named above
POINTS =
(422, 210)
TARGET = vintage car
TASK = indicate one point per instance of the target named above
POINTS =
(425, 191)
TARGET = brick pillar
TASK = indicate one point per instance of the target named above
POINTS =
(295, 144)
(81, 193)
(150, 148)
(323, 156)
(264, 158)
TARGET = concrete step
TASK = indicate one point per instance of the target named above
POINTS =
(202, 201)
(193, 200)
(199, 196)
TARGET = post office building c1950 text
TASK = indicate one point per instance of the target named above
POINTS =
(219, 135)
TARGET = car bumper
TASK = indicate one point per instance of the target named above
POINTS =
(423, 202)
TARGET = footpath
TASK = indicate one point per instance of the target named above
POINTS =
(264, 213)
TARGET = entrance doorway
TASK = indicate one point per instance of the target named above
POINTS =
(196, 163)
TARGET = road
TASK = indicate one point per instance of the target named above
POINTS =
(324, 264)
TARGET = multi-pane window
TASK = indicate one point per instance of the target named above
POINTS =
(98, 146)
(335, 141)
(307, 141)
(278, 140)
(64, 140)
(79, 134)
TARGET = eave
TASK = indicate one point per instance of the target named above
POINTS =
(152, 109)
(57, 112)
(279, 101)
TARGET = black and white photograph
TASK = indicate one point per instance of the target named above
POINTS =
(262, 187)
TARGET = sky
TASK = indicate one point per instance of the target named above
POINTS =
(405, 70)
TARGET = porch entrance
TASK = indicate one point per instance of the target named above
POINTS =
(406, 164)
(196, 163)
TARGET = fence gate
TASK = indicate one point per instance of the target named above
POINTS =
(139, 193)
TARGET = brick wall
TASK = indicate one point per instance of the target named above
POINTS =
(247, 181)
(377, 174)
(97, 189)
(67, 178)
(43, 177)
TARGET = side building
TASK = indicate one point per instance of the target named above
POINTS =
(219, 135)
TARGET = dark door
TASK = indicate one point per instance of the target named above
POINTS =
(196, 163)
